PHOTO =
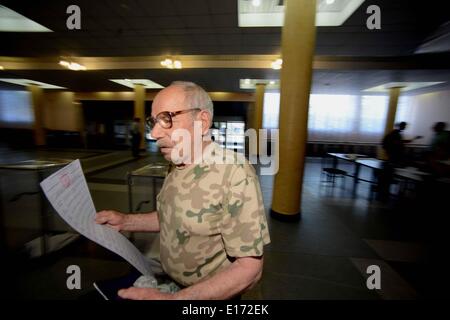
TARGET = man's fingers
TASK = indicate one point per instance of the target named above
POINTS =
(141, 294)
(135, 293)
(103, 216)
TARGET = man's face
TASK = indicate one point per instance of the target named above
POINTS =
(171, 99)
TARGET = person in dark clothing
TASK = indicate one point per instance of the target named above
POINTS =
(394, 145)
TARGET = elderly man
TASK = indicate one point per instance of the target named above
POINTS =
(210, 216)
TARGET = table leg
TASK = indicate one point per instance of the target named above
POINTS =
(44, 224)
(356, 177)
(130, 193)
(130, 201)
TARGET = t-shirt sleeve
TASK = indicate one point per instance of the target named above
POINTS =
(244, 226)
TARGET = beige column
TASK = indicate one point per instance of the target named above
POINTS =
(298, 45)
(394, 94)
(139, 110)
(38, 105)
(258, 110)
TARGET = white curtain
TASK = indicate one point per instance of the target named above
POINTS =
(341, 118)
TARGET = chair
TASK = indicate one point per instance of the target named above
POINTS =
(330, 174)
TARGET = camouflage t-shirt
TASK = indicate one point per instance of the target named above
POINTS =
(210, 213)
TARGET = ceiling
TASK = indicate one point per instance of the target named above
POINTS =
(142, 28)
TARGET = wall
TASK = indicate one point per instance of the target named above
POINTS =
(426, 110)
(61, 112)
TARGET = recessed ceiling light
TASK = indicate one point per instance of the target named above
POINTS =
(130, 83)
(171, 64)
(27, 82)
(272, 14)
(72, 65)
(277, 64)
(11, 21)
(406, 86)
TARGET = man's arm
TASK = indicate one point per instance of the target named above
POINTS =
(129, 222)
(242, 274)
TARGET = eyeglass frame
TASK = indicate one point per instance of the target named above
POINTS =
(171, 114)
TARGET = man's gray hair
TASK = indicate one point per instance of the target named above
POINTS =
(196, 96)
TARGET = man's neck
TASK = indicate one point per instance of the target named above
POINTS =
(195, 160)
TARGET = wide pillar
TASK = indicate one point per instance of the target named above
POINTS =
(298, 44)
(139, 110)
(37, 98)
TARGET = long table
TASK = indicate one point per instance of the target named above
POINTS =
(409, 174)
(353, 158)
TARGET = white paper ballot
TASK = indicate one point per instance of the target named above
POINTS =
(68, 193)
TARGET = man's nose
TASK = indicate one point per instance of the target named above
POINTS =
(157, 131)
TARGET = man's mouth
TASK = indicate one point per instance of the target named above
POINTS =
(163, 146)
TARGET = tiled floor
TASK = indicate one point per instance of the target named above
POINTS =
(323, 256)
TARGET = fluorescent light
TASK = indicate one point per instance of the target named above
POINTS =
(11, 21)
(271, 14)
(406, 86)
(27, 82)
(130, 83)
(251, 83)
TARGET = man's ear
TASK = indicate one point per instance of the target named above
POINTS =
(205, 118)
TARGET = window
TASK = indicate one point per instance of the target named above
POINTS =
(271, 110)
(373, 114)
(331, 115)
(339, 118)
(15, 107)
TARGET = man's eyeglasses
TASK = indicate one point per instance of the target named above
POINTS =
(165, 118)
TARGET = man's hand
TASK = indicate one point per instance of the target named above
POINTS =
(134, 293)
(113, 219)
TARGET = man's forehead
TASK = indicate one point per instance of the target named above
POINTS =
(169, 99)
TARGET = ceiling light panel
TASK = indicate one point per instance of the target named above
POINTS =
(271, 14)
(251, 83)
(405, 86)
(130, 83)
(11, 21)
(27, 82)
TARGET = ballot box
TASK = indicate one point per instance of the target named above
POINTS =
(27, 221)
(144, 185)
